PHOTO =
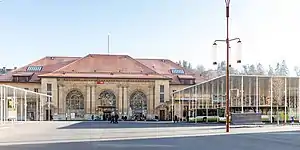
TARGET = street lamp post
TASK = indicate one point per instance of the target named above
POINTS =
(227, 59)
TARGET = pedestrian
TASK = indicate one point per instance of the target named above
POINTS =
(175, 119)
(116, 118)
(112, 119)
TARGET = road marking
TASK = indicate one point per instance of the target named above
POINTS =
(131, 145)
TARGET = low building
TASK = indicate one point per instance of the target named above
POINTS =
(269, 95)
(97, 85)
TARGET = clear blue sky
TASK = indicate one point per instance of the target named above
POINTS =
(174, 29)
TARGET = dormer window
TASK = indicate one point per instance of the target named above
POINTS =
(22, 77)
(186, 79)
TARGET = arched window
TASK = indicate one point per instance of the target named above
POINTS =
(75, 103)
(138, 104)
(107, 99)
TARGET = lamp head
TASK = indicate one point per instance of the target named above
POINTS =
(227, 2)
(239, 51)
(214, 53)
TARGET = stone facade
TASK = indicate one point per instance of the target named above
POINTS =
(98, 84)
(123, 90)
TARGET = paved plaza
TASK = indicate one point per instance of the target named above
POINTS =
(144, 135)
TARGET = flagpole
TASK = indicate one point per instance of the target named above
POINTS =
(108, 43)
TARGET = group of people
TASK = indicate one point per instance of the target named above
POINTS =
(114, 118)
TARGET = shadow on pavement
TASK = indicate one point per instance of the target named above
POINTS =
(123, 124)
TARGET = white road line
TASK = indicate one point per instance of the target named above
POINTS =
(131, 145)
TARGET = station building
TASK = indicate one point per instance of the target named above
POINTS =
(98, 85)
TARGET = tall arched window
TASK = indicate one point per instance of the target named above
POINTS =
(138, 104)
(107, 99)
(75, 103)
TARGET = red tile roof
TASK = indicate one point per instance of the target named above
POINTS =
(105, 66)
(164, 66)
(105, 75)
(49, 64)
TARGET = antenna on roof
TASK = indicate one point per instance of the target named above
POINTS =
(108, 43)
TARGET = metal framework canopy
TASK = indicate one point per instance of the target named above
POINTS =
(17, 104)
(275, 97)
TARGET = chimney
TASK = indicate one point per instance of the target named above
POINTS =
(153, 66)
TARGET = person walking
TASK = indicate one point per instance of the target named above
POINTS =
(116, 118)
(175, 119)
(112, 119)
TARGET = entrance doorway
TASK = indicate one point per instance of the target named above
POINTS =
(162, 115)
(49, 115)
(31, 116)
(107, 116)
(105, 112)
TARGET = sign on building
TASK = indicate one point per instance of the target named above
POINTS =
(12, 111)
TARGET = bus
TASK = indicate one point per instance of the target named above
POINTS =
(208, 115)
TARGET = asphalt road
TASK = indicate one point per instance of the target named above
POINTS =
(266, 141)
(132, 124)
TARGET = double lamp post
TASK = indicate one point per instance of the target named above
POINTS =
(227, 60)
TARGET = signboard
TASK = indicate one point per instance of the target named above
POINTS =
(10, 104)
(12, 112)
(100, 82)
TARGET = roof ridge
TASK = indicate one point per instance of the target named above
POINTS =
(143, 65)
(109, 54)
(70, 63)
(63, 56)
(152, 59)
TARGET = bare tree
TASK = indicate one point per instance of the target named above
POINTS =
(271, 71)
(260, 69)
(297, 70)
